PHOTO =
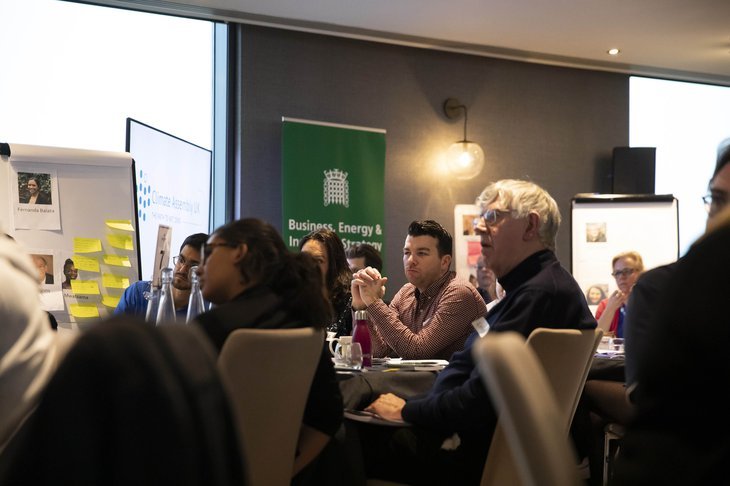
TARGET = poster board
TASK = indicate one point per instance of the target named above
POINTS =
(86, 214)
(604, 225)
(467, 244)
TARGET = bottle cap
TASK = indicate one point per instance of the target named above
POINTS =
(361, 315)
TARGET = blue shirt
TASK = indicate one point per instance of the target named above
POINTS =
(134, 302)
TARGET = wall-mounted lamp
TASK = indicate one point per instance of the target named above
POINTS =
(465, 159)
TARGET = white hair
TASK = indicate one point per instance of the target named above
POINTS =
(525, 197)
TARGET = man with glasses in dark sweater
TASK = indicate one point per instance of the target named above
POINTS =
(453, 424)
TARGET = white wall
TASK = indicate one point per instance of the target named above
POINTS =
(71, 74)
(685, 122)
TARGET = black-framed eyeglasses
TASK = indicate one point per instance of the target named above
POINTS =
(714, 202)
(623, 273)
(207, 248)
(493, 216)
(183, 262)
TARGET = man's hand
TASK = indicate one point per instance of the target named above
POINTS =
(388, 406)
(367, 287)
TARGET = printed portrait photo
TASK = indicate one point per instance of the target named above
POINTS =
(469, 221)
(596, 232)
(69, 273)
(44, 264)
(34, 188)
(596, 293)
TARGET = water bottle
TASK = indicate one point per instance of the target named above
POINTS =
(166, 308)
(195, 304)
(361, 334)
(153, 303)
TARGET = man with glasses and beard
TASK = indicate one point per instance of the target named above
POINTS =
(133, 300)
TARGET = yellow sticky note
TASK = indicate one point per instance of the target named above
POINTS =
(112, 281)
(110, 300)
(83, 310)
(86, 264)
(117, 260)
(123, 242)
(87, 245)
(120, 224)
(88, 287)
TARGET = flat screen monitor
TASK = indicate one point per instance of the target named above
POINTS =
(172, 187)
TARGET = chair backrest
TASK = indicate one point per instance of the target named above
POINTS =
(137, 405)
(529, 415)
(565, 356)
(268, 373)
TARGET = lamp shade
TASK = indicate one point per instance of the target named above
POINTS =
(465, 159)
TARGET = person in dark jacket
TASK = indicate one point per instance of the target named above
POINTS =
(255, 282)
(453, 424)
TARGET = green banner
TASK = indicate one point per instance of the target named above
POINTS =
(334, 177)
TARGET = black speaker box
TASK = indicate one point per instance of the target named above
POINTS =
(634, 170)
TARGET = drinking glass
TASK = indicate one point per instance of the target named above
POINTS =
(353, 356)
(618, 345)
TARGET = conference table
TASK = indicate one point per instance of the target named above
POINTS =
(611, 368)
(361, 388)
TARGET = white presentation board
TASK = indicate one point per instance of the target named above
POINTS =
(604, 225)
(83, 213)
(173, 188)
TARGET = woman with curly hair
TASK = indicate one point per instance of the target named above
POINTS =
(256, 282)
(328, 251)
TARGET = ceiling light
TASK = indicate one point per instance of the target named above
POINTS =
(613, 52)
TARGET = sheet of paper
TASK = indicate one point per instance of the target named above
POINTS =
(51, 299)
(162, 253)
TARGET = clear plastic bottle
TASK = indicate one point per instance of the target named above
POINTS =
(166, 308)
(195, 304)
(361, 334)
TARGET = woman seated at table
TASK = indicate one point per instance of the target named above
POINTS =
(255, 282)
(328, 251)
(610, 313)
